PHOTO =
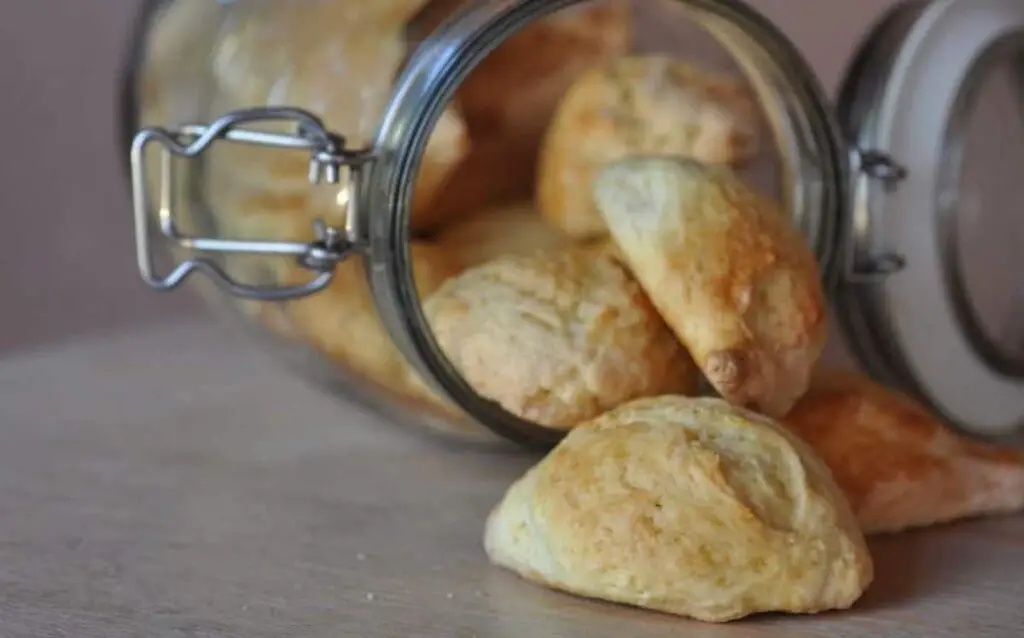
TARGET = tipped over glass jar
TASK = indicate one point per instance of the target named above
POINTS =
(497, 219)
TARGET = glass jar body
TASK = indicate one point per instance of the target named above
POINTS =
(447, 146)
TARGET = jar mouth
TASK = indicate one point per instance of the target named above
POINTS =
(802, 126)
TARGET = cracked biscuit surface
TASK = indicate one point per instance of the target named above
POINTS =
(899, 466)
(727, 270)
(557, 337)
(641, 105)
(689, 506)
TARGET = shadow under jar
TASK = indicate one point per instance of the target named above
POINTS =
(329, 165)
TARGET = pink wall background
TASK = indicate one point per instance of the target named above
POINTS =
(66, 259)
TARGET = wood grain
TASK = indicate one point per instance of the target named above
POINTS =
(173, 482)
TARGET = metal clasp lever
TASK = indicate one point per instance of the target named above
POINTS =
(878, 166)
(327, 156)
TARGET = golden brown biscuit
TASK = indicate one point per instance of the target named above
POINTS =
(557, 337)
(513, 229)
(687, 506)
(645, 105)
(730, 274)
(337, 60)
(516, 89)
(508, 100)
(899, 466)
(342, 322)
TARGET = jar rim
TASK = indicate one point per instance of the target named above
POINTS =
(817, 164)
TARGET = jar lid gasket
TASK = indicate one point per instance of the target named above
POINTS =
(910, 95)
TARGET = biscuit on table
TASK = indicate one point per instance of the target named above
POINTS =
(557, 337)
(688, 506)
(727, 270)
(641, 105)
(898, 464)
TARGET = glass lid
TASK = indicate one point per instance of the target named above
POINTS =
(935, 301)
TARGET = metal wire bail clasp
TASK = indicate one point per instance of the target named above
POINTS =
(327, 156)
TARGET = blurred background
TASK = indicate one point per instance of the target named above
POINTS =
(66, 249)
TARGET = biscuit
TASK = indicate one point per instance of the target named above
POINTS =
(557, 337)
(516, 89)
(491, 173)
(899, 466)
(728, 272)
(512, 229)
(279, 177)
(644, 105)
(688, 506)
(342, 322)
(508, 100)
(337, 60)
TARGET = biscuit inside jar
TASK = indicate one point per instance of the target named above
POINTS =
(533, 300)
(558, 336)
(668, 91)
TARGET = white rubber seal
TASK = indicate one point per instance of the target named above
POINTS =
(926, 81)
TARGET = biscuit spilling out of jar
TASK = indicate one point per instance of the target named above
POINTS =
(727, 270)
(642, 105)
(688, 506)
(557, 337)
(899, 466)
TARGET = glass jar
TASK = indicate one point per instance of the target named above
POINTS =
(330, 163)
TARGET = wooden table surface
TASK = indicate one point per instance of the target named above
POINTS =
(175, 482)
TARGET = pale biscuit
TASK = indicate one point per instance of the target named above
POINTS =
(557, 337)
(337, 60)
(731, 275)
(899, 466)
(497, 231)
(644, 105)
(687, 506)
(342, 322)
